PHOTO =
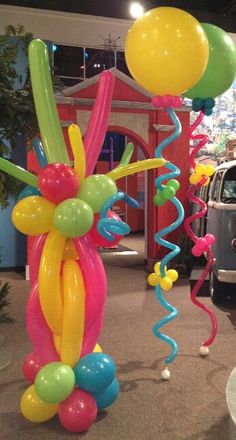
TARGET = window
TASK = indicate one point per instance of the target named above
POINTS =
(229, 186)
(216, 187)
(69, 64)
(74, 64)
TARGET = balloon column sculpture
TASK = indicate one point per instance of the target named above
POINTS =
(69, 211)
(161, 51)
(218, 77)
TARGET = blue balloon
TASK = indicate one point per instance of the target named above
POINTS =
(108, 396)
(39, 151)
(95, 372)
(27, 192)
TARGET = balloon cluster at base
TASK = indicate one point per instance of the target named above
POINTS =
(75, 394)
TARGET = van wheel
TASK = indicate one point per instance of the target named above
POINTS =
(218, 290)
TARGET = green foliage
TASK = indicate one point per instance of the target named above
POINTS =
(4, 302)
(17, 110)
(17, 115)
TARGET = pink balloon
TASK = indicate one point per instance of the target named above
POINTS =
(37, 329)
(98, 239)
(201, 243)
(35, 256)
(95, 284)
(78, 412)
(31, 365)
(97, 127)
(210, 239)
(196, 251)
(58, 182)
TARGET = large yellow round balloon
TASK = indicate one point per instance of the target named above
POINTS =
(34, 409)
(166, 51)
(33, 215)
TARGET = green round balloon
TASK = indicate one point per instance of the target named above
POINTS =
(221, 67)
(96, 190)
(73, 218)
(55, 382)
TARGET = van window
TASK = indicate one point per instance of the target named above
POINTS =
(228, 194)
(216, 187)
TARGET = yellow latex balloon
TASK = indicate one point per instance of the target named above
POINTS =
(69, 251)
(200, 169)
(166, 51)
(35, 409)
(74, 311)
(166, 283)
(77, 147)
(33, 215)
(57, 343)
(194, 179)
(153, 279)
(173, 275)
(97, 349)
(49, 281)
(135, 167)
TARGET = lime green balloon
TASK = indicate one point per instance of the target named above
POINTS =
(55, 382)
(73, 218)
(221, 67)
(49, 123)
(18, 172)
(96, 190)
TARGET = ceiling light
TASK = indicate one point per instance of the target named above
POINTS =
(136, 10)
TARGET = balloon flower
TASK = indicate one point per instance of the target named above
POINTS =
(69, 211)
(217, 78)
(161, 51)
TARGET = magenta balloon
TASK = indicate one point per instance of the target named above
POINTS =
(58, 182)
(97, 127)
(98, 239)
(78, 412)
(95, 285)
(37, 329)
(35, 256)
(31, 366)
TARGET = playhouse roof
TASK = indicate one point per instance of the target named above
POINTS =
(131, 89)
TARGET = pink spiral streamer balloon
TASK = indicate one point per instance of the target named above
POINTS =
(202, 244)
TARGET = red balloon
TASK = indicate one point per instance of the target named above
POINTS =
(98, 239)
(58, 182)
(78, 412)
(32, 364)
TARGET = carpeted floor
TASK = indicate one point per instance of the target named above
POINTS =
(191, 406)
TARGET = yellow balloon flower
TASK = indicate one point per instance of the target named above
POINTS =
(165, 282)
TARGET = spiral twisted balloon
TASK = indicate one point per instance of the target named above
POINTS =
(201, 176)
(162, 278)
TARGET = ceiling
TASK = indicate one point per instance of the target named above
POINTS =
(219, 12)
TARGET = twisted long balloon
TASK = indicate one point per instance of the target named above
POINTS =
(174, 172)
(208, 240)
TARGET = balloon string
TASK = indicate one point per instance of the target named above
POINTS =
(210, 257)
(174, 172)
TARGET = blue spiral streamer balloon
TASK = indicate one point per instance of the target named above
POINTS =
(39, 151)
(108, 226)
(174, 172)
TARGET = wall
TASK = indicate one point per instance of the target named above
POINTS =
(65, 28)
